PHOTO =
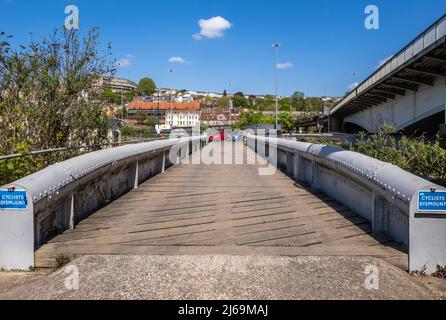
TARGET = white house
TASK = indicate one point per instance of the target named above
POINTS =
(183, 118)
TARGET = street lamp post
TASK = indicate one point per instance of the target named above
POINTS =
(122, 106)
(171, 103)
(158, 111)
(329, 112)
(231, 107)
(276, 46)
(354, 74)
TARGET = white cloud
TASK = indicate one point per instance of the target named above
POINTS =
(178, 60)
(383, 62)
(286, 65)
(212, 28)
(123, 63)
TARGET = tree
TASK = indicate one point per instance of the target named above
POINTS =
(252, 118)
(314, 104)
(252, 100)
(45, 102)
(109, 96)
(141, 118)
(298, 101)
(146, 86)
(223, 103)
(286, 120)
(267, 104)
(285, 104)
(240, 102)
(129, 96)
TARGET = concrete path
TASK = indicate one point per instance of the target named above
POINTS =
(223, 277)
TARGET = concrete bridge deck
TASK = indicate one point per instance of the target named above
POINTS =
(222, 210)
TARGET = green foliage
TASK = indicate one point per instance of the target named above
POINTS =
(298, 101)
(285, 104)
(147, 86)
(203, 127)
(141, 117)
(43, 102)
(267, 104)
(129, 132)
(286, 120)
(414, 155)
(252, 118)
(223, 103)
(240, 102)
(111, 97)
(108, 96)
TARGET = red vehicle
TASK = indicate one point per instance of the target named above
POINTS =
(217, 136)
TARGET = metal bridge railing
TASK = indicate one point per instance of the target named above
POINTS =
(87, 147)
(380, 192)
(408, 54)
(58, 197)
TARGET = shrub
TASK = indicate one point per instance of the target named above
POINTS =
(416, 155)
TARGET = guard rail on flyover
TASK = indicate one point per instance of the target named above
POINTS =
(55, 199)
(429, 39)
(380, 192)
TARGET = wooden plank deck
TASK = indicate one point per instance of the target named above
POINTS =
(222, 209)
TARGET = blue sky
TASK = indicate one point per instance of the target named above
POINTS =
(325, 41)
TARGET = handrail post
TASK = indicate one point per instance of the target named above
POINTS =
(17, 235)
(136, 173)
(297, 166)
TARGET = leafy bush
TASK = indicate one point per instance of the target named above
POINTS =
(416, 155)
(47, 91)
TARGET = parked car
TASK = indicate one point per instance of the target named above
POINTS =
(218, 135)
(214, 136)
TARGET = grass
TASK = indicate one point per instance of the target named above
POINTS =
(62, 261)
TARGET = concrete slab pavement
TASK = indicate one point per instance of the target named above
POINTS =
(224, 278)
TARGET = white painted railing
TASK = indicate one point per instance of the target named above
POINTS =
(381, 192)
(60, 196)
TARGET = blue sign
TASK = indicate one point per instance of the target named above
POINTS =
(432, 201)
(15, 200)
